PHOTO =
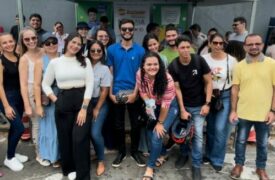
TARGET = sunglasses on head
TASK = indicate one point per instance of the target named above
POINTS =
(217, 43)
(96, 50)
(51, 41)
(124, 29)
(28, 39)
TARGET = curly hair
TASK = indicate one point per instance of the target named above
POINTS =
(161, 80)
(80, 58)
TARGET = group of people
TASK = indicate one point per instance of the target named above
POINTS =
(64, 82)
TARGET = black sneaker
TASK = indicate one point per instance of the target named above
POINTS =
(196, 173)
(205, 160)
(216, 168)
(181, 161)
(120, 157)
(140, 162)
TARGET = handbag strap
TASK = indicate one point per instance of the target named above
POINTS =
(227, 73)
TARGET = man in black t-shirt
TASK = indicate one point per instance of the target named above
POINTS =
(193, 83)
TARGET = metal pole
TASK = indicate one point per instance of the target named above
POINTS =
(193, 14)
(253, 15)
(20, 14)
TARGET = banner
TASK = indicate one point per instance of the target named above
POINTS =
(139, 13)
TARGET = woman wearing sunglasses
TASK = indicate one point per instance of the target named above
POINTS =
(218, 126)
(74, 77)
(30, 55)
(102, 82)
(157, 90)
(11, 103)
(48, 144)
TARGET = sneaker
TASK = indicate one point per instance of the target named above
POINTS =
(140, 162)
(21, 158)
(196, 173)
(205, 160)
(13, 164)
(120, 157)
(43, 162)
(181, 161)
(216, 168)
(72, 176)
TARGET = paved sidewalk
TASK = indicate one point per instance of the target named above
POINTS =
(129, 171)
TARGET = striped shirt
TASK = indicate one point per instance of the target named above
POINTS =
(166, 98)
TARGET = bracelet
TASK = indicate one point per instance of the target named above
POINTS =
(272, 110)
(160, 122)
(84, 106)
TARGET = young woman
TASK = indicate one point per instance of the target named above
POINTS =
(11, 101)
(151, 43)
(103, 35)
(30, 55)
(102, 82)
(47, 140)
(73, 111)
(157, 89)
(218, 125)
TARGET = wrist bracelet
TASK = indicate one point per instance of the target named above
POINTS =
(84, 106)
(160, 122)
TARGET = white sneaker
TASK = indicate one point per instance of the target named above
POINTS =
(13, 164)
(21, 158)
(72, 176)
(43, 162)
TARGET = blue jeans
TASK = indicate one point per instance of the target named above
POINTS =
(16, 126)
(218, 130)
(197, 139)
(157, 147)
(96, 129)
(262, 133)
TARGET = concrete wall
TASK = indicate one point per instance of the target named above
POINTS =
(50, 10)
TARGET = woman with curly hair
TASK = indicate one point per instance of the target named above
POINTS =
(157, 89)
(73, 111)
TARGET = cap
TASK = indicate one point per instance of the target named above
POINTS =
(82, 25)
(47, 36)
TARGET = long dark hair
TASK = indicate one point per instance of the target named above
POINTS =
(101, 47)
(111, 41)
(80, 58)
(161, 80)
(147, 38)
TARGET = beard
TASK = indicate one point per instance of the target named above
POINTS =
(171, 43)
(254, 54)
(127, 38)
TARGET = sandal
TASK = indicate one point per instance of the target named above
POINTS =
(161, 160)
(100, 170)
(146, 177)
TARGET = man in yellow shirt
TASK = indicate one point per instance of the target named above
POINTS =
(253, 103)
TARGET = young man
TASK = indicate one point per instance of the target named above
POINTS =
(92, 13)
(239, 28)
(35, 21)
(170, 51)
(124, 59)
(254, 75)
(193, 83)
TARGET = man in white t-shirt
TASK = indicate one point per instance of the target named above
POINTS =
(239, 28)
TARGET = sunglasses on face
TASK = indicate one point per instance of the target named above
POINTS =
(96, 50)
(124, 29)
(49, 42)
(28, 39)
(217, 43)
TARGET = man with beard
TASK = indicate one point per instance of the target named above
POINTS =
(35, 21)
(124, 59)
(170, 51)
(254, 75)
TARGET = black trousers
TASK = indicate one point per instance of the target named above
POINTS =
(74, 140)
(119, 120)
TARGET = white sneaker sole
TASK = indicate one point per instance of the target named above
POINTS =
(117, 165)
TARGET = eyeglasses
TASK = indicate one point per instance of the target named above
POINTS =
(254, 44)
(124, 29)
(96, 50)
(217, 43)
(52, 41)
(28, 39)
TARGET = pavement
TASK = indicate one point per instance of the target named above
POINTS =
(129, 171)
